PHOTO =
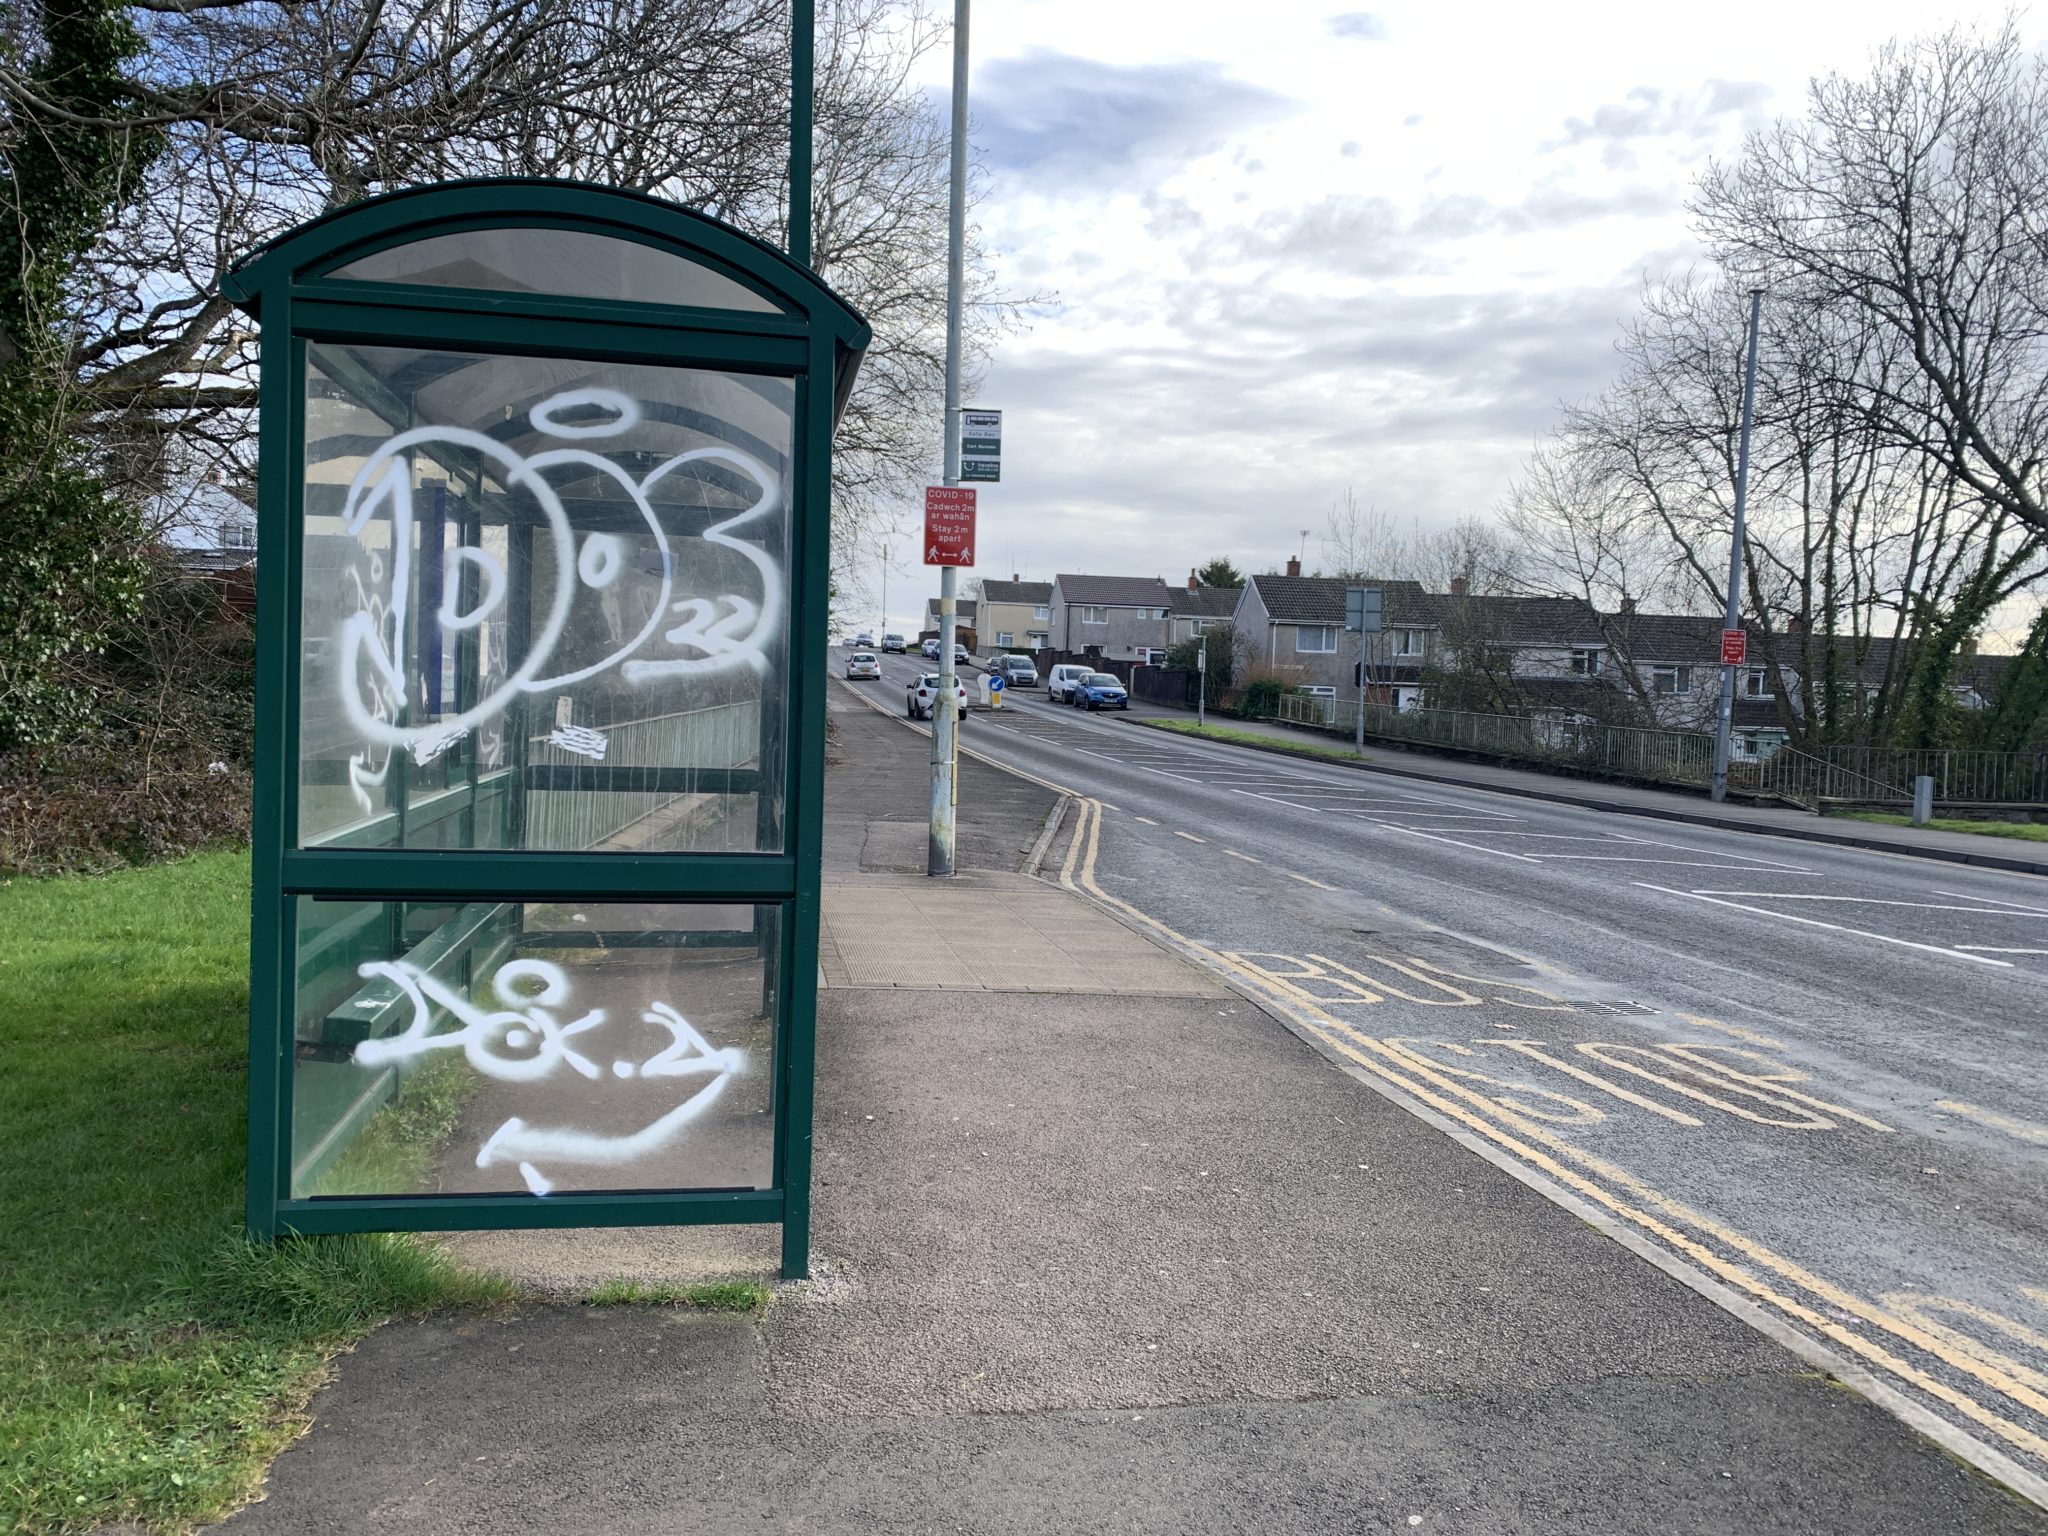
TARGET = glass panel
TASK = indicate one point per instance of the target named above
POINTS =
(571, 262)
(491, 1047)
(545, 604)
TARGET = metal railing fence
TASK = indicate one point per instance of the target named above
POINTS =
(1876, 775)
(717, 736)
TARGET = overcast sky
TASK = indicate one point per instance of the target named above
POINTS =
(1291, 248)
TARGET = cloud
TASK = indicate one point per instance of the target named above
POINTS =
(1359, 24)
(1088, 120)
(1650, 112)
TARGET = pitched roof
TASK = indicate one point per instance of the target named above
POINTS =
(1204, 602)
(1320, 600)
(963, 609)
(1113, 591)
(1523, 620)
(1035, 593)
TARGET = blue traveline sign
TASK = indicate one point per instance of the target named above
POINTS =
(539, 758)
(981, 445)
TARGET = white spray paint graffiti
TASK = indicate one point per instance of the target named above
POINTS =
(580, 739)
(525, 1039)
(705, 635)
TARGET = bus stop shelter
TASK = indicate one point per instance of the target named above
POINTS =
(543, 513)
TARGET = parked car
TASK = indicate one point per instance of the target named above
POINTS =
(930, 649)
(864, 640)
(1099, 690)
(863, 664)
(960, 654)
(1017, 671)
(895, 643)
(924, 693)
(1062, 678)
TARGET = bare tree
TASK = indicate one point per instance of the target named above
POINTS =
(1916, 198)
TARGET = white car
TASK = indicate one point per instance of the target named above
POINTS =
(924, 693)
(1060, 681)
(863, 664)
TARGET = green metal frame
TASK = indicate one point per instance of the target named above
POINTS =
(816, 340)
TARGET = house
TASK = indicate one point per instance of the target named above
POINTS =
(1018, 614)
(1194, 608)
(206, 528)
(1293, 625)
(963, 615)
(1119, 618)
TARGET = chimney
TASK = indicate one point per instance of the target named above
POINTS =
(1628, 607)
(1460, 587)
(1293, 565)
(1015, 577)
(1194, 582)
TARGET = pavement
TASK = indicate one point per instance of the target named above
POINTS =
(1101, 1245)
(1641, 800)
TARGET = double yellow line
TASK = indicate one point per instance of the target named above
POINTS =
(1673, 1224)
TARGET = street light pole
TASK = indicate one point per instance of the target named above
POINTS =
(1724, 726)
(945, 722)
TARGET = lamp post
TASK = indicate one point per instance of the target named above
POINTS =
(1732, 615)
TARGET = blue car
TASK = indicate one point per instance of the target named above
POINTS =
(1098, 690)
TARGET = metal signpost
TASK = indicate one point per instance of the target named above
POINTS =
(540, 715)
(1732, 624)
(996, 685)
(1202, 683)
(945, 721)
(1363, 608)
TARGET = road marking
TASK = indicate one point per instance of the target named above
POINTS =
(2025, 1130)
(1547, 1164)
(1234, 854)
(1869, 901)
(1304, 879)
(1500, 853)
(1630, 858)
(1993, 949)
(1736, 1030)
(1814, 922)
(1190, 837)
(1959, 896)
(1146, 819)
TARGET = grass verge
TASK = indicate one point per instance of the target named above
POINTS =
(711, 1296)
(2027, 831)
(1252, 739)
(154, 1361)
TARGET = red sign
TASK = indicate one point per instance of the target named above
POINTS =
(1734, 647)
(949, 525)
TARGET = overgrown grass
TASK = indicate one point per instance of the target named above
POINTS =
(711, 1296)
(152, 1361)
(2032, 832)
(1253, 739)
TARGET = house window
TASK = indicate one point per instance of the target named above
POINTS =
(1200, 626)
(1671, 679)
(1039, 638)
(1409, 642)
(1315, 637)
(1041, 612)
(1159, 613)
(1326, 698)
(1005, 638)
(1094, 616)
(1586, 660)
(1756, 683)
(237, 536)
(1152, 656)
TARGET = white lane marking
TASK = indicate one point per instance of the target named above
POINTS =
(1233, 853)
(1814, 922)
(1147, 820)
(1304, 879)
(1499, 853)
(1993, 949)
(1959, 896)
(1871, 901)
(1708, 863)
(1190, 837)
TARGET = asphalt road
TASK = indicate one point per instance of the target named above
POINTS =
(1815, 1074)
